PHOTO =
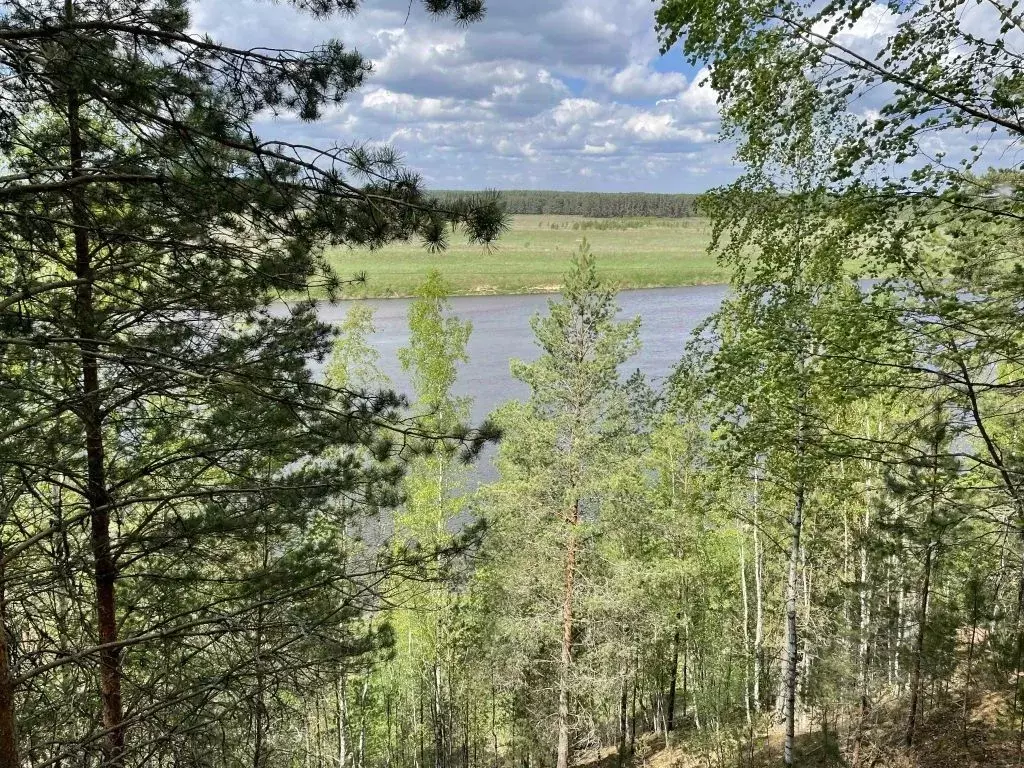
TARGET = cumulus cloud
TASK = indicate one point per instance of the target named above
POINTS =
(640, 81)
(404, 107)
(574, 111)
(541, 93)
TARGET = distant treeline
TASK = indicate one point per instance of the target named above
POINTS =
(596, 204)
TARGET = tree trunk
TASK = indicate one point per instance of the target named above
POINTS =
(657, 713)
(746, 624)
(623, 719)
(494, 721)
(670, 719)
(259, 756)
(970, 659)
(696, 713)
(686, 665)
(8, 731)
(440, 741)
(90, 413)
(792, 645)
(922, 611)
(361, 754)
(567, 626)
(1019, 623)
(864, 647)
(632, 719)
(758, 607)
(392, 723)
(105, 574)
(922, 620)
(422, 759)
(468, 724)
(257, 740)
(900, 622)
(805, 650)
(340, 697)
(511, 731)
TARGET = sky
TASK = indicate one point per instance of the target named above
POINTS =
(540, 94)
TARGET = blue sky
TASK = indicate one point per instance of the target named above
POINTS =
(541, 94)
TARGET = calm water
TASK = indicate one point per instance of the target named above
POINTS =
(501, 332)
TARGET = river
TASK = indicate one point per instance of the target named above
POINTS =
(501, 332)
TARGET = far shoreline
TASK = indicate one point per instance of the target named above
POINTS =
(539, 291)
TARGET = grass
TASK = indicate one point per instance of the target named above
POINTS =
(535, 253)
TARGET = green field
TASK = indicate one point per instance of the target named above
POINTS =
(533, 255)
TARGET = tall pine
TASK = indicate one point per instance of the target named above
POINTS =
(172, 440)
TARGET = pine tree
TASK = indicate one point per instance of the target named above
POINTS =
(553, 459)
(925, 511)
(159, 402)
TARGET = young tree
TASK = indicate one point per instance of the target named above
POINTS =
(354, 364)
(434, 486)
(767, 361)
(927, 508)
(555, 454)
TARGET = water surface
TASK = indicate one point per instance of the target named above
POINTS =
(501, 332)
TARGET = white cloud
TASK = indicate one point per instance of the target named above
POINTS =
(640, 81)
(699, 100)
(647, 125)
(403, 106)
(874, 26)
(541, 93)
(571, 111)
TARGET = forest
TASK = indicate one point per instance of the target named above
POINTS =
(228, 539)
(591, 204)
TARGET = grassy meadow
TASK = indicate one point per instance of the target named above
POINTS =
(533, 255)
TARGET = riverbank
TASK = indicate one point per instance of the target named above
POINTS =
(534, 254)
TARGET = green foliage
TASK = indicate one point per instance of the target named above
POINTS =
(596, 204)
(816, 372)
(427, 612)
(780, 67)
(582, 347)
(554, 492)
(354, 361)
(180, 515)
(437, 344)
(209, 558)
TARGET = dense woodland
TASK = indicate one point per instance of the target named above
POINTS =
(592, 204)
(211, 556)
